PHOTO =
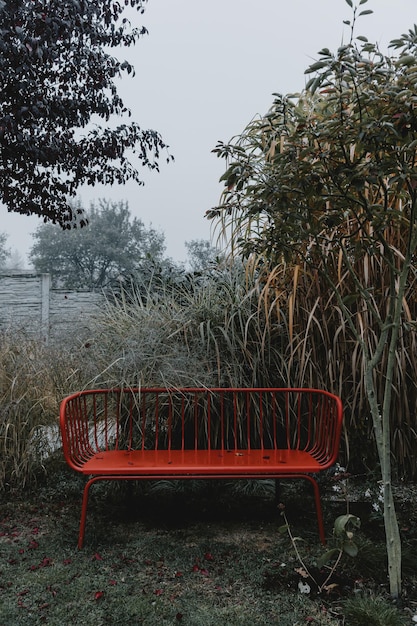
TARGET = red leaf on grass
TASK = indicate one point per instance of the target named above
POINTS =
(23, 593)
(158, 592)
(208, 556)
(98, 595)
(97, 557)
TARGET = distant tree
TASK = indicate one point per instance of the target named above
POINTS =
(15, 261)
(56, 77)
(201, 254)
(110, 247)
(4, 252)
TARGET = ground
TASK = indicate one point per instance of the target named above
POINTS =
(197, 553)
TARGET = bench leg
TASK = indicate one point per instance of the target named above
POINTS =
(84, 511)
(319, 511)
(84, 505)
(317, 501)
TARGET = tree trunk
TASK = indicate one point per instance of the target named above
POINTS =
(382, 437)
(393, 541)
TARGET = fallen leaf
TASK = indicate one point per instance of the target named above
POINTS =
(302, 572)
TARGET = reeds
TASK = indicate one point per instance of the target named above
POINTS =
(325, 345)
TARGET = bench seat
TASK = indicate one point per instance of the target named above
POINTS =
(200, 462)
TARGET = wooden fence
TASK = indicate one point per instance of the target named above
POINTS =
(29, 304)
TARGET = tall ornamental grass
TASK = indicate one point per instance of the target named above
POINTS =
(231, 326)
(28, 409)
(205, 330)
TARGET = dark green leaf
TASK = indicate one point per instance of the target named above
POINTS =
(350, 548)
(407, 59)
(316, 66)
(366, 12)
(327, 556)
(344, 522)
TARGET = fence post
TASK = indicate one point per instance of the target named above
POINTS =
(45, 289)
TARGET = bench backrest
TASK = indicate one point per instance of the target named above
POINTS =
(199, 418)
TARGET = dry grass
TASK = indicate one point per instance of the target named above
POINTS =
(29, 407)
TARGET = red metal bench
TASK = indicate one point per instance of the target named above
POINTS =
(132, 434)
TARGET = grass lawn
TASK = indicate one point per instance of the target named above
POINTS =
(197, 555)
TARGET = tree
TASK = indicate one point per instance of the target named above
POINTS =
(327, 182)
(110, 247)
(4, 252)
(15, 260)
(56, 78)
(201, 254)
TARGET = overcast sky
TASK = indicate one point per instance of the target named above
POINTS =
(203, 72)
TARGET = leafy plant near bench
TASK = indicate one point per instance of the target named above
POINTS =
(344, 530)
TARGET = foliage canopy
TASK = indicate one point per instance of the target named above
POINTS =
(56, 78)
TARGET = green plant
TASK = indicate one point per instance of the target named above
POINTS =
(364, 610)
(344, 530)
